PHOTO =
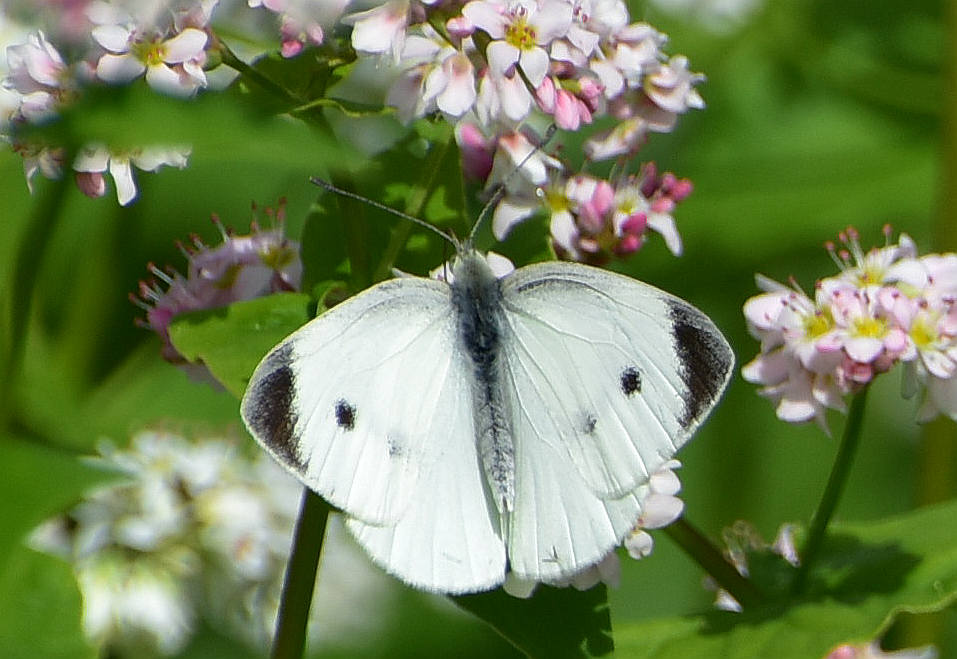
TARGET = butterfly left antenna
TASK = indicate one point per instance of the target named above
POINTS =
(322, 183)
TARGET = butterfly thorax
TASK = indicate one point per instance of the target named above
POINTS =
(476, 298)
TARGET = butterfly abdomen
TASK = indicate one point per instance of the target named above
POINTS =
(476, 299)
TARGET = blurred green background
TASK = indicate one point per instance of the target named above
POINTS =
(820, 115)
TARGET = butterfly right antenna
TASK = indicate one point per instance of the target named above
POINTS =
(502, 187)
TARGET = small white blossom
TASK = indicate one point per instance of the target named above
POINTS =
(172, 66)
(97, 159)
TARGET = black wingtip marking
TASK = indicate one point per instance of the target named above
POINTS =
(270, 410)
(345, 414)
(705, 360)
(630, 381)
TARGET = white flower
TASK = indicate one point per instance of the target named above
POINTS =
(172, 66)
(97, 159)
(520, 30)
(380, 29)
(39, 75)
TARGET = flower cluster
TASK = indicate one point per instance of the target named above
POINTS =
(241, 268)
(301, 21)
(492, 66)
(191, 530)
(44, 84)
(887, 305)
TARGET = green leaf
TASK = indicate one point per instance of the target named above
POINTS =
(231, 340)
(41, 609)
(554, 622)
(215, 126)
(38, 593)
(868, 574)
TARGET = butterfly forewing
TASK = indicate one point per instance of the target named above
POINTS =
(608, 377)
(332, 402)
(601, 352)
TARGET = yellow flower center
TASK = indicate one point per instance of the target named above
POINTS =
(869, 327)
(817, 324)
(520, 34)
(923, 332)
(151, 53)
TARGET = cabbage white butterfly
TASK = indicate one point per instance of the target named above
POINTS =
(489, 425)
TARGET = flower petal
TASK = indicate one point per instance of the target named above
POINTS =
(119, 69)
(188, 44)
(114, 38)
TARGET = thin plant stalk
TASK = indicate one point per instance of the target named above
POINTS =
(832, 492)
(696, 545)
(300, 580)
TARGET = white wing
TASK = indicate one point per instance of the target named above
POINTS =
(369, 407)
(608, 378)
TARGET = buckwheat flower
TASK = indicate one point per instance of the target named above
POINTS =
(241, 268)
(302, 22)
(440, 77)
(671, 87)
(660, 508)
(520, 30)
(800, 353)
(885, 306)
(221, 563)
(96, 159)
(593, 221)
(381, 29)
(863, 330)
(629, 54)
(742, 542)
(39, 75)
(891, 264)
(503, 99)
(172, 66)
(873, 650)
(477, 151)
(136, 607)
(625, 138)
(523, 169)
(39, 158)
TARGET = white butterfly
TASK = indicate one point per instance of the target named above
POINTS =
(488, 426)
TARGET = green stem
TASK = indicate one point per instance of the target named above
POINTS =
(293, 618)
(832, 492)
(232, 61)
(29, 258)
(698, 547)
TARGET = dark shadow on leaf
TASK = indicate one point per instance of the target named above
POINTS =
(849, 571)
(554, 622)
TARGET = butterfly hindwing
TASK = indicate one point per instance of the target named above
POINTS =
(448, 538)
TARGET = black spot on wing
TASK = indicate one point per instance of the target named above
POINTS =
(345, 414)
(630, 381)
(270, 411)
(395, 446)
(588, 423)
(704, 360)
